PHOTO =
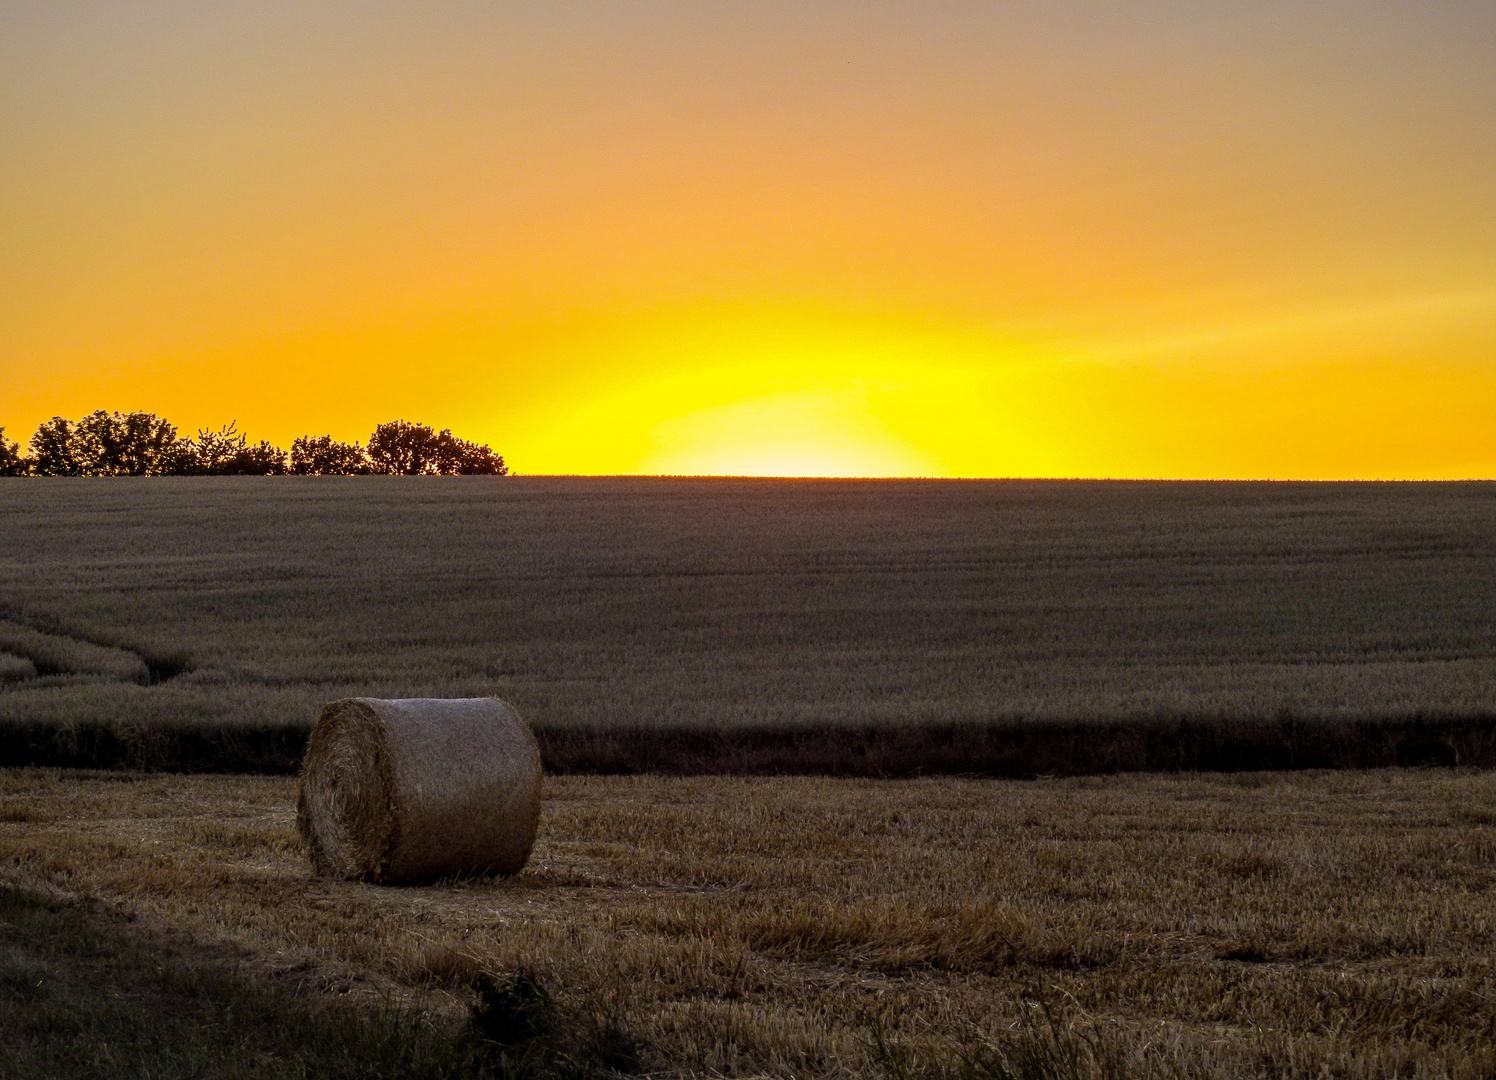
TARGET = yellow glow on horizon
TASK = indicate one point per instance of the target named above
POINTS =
(1338, 394)
(786, 392)
(804, 433)
(1382, 392)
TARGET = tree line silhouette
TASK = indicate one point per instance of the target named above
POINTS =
(144, 444)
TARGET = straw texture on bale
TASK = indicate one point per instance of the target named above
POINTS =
(419, 788)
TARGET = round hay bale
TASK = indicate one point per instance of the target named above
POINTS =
(419, 788)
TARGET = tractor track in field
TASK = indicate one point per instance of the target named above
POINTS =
(54, 651)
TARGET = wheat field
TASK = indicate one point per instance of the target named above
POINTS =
(722, 604)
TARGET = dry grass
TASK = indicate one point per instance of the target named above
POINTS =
(727, 604)
(1307, 924)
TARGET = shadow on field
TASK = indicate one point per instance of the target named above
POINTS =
(81, 994)
(1014, 750)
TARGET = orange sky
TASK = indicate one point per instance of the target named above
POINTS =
(979, 239)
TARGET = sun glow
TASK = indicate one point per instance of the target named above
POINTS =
(787, 392)
(804, 433)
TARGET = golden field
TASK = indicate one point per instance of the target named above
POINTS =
(1309, 924)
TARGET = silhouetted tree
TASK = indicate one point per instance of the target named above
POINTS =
(143, 444)
(212, 452)
(401, 448)
(224, 452)
(177, 459)
(52, 451)
(471, 459)
(122, 444)
(405, 449)
(322, 455)
(11, 461)
(261, 459)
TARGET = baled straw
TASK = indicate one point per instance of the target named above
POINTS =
(419, 788)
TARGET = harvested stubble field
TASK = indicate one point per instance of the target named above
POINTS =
(880, 627)
(1298, 925)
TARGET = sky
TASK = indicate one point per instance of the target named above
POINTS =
(1175, 238)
